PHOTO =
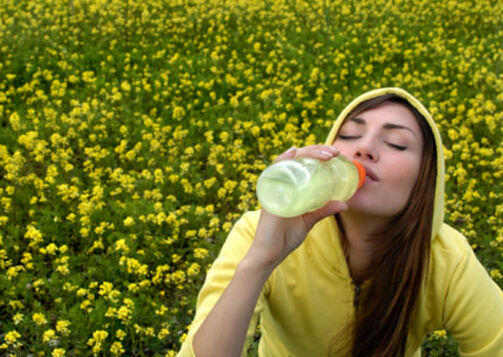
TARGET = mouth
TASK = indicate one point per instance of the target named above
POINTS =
(370, 174)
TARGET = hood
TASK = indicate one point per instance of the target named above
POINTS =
(438, 214)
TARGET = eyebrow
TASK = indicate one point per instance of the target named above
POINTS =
(387, 126)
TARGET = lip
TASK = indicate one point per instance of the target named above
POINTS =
(370, 174)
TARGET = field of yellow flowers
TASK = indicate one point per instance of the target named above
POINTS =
(132, 133)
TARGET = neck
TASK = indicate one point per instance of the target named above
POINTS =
(358, 230)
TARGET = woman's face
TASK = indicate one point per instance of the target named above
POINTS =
(388, 142)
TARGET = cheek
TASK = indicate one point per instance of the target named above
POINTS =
(405, 175)
(344, 147)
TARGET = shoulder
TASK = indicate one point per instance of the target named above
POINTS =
(454, 268)
(452, 273)
(449, 255)
(449, 247)
(462, 296)
(449, 252)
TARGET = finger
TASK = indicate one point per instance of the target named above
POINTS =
(289, 154)
(321, 152)
(331, 208)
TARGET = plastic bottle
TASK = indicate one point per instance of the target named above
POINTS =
(293, 187)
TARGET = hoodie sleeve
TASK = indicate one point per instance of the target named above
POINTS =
(473, 308)
(218, 277)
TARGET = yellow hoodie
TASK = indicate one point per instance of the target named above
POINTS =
(309, 297)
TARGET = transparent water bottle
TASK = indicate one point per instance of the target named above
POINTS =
(290, 188)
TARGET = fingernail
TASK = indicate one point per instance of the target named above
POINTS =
(326, 153)
(291, 150)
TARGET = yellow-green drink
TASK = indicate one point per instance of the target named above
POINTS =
(293, 187)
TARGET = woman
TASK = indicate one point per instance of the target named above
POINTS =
(370, 277)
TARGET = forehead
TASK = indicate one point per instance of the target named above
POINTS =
(392, 113)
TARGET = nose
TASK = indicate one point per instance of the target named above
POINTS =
(365, 151)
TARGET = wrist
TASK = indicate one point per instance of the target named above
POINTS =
(257, 265)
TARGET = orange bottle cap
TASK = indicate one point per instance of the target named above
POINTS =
(361, 173)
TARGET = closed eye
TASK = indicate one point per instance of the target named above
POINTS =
(348, 137)
(398, 147)
(354, 137)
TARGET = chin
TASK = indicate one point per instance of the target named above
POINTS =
(374, 206)
(373, 210)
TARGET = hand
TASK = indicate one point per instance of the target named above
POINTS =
(277, 237)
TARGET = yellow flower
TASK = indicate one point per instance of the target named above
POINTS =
(200, 253)
(16, 304)
(27, 257)
(105, 288)
(17, 318)
(227, 226)
(194, 269)
(33, 234)
(62, 265)
(120, 334)
(96, 341)
(58, 352)
(125, 86)
(496, 274)
(117, 349)
(210, 182)
(178, 112)
(14, 271)
(62, 327)
(121, 245)
(440, 334)
(124, 313)
(39, 319)
(85, 304)
(73, 79)
(48, 335)
(129, 221)
(88, 77)
(11, 337)
(51, 248)
(162, 310)
(163, 333)
(14, 121)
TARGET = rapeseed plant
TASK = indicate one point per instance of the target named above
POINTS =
(132, 135)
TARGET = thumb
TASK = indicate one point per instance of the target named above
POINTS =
(331, 208)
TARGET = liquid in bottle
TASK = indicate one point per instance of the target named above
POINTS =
(293, 187)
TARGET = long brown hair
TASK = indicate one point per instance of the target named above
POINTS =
(400, 257)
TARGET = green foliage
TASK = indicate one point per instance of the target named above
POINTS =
(132, 133)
